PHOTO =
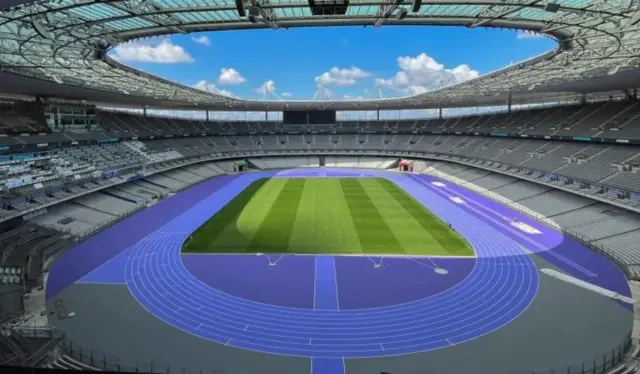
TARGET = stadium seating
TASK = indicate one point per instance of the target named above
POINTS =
(89, 186)
(615, 119)
(284, 163)
(37, 178)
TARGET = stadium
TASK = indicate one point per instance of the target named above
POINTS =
(497, 235)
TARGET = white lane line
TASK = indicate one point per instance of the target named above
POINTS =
(335, 282)
(422, 263)
(586, 285)
(391, 255)
(509, 228)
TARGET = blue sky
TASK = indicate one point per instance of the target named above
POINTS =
(347, 61)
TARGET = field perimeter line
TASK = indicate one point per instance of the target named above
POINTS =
(322, 254)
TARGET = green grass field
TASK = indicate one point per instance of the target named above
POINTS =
(325, 215)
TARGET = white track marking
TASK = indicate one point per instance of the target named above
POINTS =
(586, 285)
(330, 254)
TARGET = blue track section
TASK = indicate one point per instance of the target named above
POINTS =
(143, 252)
(501, 285)
(325, 285)
(327, 366)
(326, 297)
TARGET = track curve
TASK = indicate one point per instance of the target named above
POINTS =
(501, 285)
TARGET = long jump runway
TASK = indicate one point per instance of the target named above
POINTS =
(308, 306)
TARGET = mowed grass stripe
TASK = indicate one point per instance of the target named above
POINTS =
(237, 235)
(275, 231)
(324, 215)
(304, 237)
(374, 234)
(323, 223)
(344, 237)
(448, 239)
(413, 238)
(206, 234)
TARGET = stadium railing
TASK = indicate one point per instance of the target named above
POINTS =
(48, 336)
(106, 362)
(599, 364)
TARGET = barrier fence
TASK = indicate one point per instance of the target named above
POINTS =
(599, 364)
(107, 362)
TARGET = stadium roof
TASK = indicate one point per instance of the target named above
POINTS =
(58, 47)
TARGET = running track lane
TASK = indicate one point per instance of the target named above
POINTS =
(564, 252)
(325, 296)
(499, 288)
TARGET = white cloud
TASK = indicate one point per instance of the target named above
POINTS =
(422, 73)
(204, 40)
(341, 77)
(528, 35)
(349, 97)
(230, 76)
(267, 87)
(209, 87)
(286, 94)
(417, 90)
(164, 52)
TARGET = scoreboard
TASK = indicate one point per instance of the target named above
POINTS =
(309, 117)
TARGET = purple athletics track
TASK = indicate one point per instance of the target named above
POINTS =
(398, 281)
(308, 300)
(360, 285)
(100, 248)
(325, 297)
(563, 252)
(500, 286)
(289, 283)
